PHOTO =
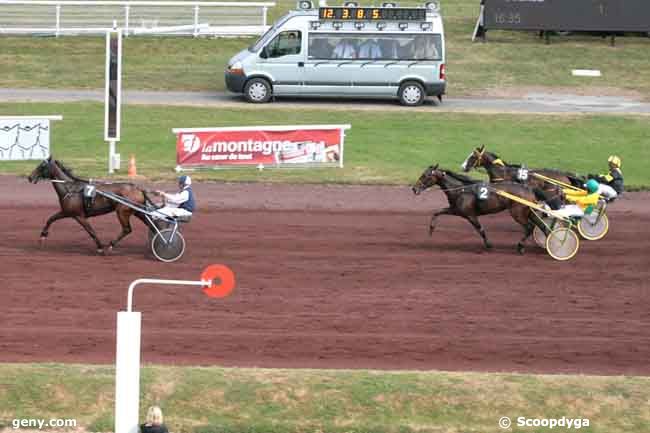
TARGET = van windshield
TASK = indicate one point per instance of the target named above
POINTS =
(268, 34)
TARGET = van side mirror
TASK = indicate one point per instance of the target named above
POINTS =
(264, 53)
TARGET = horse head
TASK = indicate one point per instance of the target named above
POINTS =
(42, 171)
(430, 177)
(474, 159)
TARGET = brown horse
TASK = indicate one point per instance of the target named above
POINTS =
(70, 190)
(469, 198)
(499, 171)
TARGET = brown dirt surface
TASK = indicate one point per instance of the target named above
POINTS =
(328, 277)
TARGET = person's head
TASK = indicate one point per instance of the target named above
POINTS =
(154, 416)
(592, 186)
(184, 181)
(614, 161)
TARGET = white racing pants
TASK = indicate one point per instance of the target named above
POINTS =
(174, 212)
(607, 191)
(571, 210)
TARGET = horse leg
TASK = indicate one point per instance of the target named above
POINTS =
(528, 220)
(528, 230)
(434, 218)
(84, 223)
(479, 228)
(57, 216)
(123, 215)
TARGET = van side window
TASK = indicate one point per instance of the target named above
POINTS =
(379, 46)
(285, 44)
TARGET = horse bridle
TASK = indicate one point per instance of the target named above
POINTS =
(479, 158)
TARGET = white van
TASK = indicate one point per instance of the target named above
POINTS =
(345, 51)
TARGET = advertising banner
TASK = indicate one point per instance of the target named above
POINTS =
(260, 146)
(25, 137)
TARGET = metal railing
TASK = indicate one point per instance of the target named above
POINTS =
(71, 17)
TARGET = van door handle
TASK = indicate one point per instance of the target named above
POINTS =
(301, 64)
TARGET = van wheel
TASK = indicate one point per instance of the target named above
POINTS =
(258, 90)
(411, 93)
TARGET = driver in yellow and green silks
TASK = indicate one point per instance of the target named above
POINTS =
(580, 202)
(611, 184)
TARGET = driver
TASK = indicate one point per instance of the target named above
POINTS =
(611, 184)
(581, 202)
(180, 204)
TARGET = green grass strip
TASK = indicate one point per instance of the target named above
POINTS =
(234, 400)
(510, 61)
(380, 148)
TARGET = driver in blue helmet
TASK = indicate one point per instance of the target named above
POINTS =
(180, 204)
(580, 203)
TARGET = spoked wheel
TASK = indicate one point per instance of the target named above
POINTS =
(161, 224)
(562, 243)
(168, 246)
(538, 234)
(593, 226)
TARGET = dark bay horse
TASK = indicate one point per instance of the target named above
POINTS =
(469, 198)
(499, 171)
(70, 190)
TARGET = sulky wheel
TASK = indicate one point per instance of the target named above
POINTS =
(538, 234)
(562, 243)
(593, 226)
(160, 224)
(168, 246)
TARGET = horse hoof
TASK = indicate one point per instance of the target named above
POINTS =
(41, 241)
(431, 229)
(100, 251)
(488, 246)
(520, 249)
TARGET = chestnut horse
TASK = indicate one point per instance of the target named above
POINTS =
(70, 190)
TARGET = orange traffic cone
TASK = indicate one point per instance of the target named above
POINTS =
(133, 172)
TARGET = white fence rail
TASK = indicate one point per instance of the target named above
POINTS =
(72, 17)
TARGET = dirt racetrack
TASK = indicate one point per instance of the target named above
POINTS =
(329, 277)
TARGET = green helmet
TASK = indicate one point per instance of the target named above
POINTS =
(592, 186)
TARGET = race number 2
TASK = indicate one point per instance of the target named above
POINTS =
(482, 193)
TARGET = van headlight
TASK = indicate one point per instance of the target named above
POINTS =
(236, 68)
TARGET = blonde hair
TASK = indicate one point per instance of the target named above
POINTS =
(154, 415)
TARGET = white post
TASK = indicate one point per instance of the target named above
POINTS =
(264, 10)
(127, 356)
(127, 372)
(196, 20)
(58, 19)
(127, 9)
(112, 137)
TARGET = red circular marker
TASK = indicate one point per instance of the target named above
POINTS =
(221, 279)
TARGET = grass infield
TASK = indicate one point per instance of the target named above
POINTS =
(234, 400)
(510, 62)
(380, 148)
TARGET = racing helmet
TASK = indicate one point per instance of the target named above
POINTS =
(615, 161)
(184, 181)
(592, 186)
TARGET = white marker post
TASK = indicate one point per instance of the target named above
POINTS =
(113, 96)
(217, 281)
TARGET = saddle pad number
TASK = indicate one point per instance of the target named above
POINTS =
(522, 174)
(482, 193)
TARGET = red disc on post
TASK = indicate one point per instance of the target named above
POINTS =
(221, 279)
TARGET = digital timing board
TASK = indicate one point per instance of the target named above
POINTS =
(568, 15)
